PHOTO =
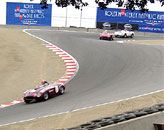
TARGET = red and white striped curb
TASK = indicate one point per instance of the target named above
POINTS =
(11, 103)
(72, 66)
(70, 62)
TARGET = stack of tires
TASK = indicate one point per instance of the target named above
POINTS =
(119, 118)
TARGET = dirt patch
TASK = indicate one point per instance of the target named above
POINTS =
(24, 62)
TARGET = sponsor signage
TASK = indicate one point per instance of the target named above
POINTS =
(28, 14)
(150, 21)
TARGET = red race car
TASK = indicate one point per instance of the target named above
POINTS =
(106, 35)
(43, 92)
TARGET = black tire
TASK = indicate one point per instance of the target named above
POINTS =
(140, 113)
(45, 96)
(118, 119)
(85, 125)
(100, 38)
(132, 36)
(105, 123)
(125, 36)
(161, 108)
(129, 116)
(27, 101)
(96, 121)
(62, 90)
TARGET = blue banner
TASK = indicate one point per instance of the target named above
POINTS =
(150, 21)
(28, 14)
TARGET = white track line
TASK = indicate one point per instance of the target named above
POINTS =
(83, 108)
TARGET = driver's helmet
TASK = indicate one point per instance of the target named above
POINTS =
(45, 83)
(42, 81)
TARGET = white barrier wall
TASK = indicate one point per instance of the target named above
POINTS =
(65, 17)
(3, 12)
(69, 16)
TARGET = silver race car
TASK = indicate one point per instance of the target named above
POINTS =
(124, 33)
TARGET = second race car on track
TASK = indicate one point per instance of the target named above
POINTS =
(124, 33)
(43, 92)
(106, 35)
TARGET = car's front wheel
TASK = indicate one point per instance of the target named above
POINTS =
(27, 101)
(125, 35)
(62, 90)
(45, 96)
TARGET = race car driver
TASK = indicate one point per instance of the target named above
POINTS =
(45, 83)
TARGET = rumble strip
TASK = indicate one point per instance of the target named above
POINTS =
(72, 65)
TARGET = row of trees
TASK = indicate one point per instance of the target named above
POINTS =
(127, 4)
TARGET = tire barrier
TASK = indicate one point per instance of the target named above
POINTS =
(102, 122)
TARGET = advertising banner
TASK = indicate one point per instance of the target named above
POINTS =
(28, 14)
(150, 21)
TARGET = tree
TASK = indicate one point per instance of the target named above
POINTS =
(128, 4)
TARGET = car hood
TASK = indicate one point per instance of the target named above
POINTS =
(32, 92)
(39, 89)
(105, 34)
(118, 32)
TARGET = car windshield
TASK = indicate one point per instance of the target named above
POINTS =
(46, 84)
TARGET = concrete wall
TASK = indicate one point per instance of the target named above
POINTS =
(66, 17)
(142, 123)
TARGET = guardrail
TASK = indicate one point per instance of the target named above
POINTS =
(140, 119)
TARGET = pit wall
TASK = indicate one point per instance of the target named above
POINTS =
(142, 123)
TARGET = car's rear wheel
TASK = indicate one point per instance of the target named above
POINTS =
(45, 96)
(62, 90)
(132, 36)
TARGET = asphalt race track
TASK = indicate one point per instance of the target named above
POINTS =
(108, 71)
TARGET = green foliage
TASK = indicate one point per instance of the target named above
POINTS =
(128, 4)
